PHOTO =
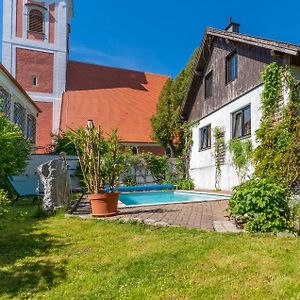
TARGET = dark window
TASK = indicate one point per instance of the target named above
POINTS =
(231, 67)
(208, 85)
(205, 137)
(31, 128)
(36, 21)
(134, 150)
(19, 116)
(241, 122)
(5, 102)
(168, 152)
(34, 81)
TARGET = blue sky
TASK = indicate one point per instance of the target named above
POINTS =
(159, 36)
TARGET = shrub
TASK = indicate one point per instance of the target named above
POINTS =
(15, 149)
(182, 184)
(157, 165)
(262, 205)
(241, 152)
(64, 143)
(4, 202)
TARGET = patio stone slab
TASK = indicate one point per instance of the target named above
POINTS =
(209, 215)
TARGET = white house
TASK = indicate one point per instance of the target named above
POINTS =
(225, 92)
(17, 105)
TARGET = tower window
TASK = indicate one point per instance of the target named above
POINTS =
(36, 21)
(34, 81)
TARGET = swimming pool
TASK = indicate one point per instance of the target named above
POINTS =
(155, 198)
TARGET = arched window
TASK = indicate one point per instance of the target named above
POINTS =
(36, 21)
(134, 150)
(168, 152)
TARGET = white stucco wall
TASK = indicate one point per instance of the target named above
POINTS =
(202, 163)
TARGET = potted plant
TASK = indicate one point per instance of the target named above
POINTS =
(101, 161)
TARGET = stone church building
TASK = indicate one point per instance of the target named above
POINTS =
(35, 50)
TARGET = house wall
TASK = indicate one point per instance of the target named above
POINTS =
(17, 96)
(202, 163)
(251, 62)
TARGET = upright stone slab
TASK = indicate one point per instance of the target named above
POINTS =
(56, 180)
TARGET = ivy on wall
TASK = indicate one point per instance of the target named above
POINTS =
(219, 146)
(278, 153)
(241, 155)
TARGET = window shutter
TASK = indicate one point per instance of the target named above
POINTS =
(36, 21)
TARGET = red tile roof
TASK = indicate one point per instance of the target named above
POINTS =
(112, 98)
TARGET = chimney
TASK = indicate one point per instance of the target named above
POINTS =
(232, 26)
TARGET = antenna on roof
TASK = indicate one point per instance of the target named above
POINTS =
(232, 26)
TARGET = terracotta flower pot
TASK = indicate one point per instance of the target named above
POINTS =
(104, 204)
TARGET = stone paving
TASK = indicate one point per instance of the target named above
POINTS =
(210, 215)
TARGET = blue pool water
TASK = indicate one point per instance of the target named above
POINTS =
(151, 198)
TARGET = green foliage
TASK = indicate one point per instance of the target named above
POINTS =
(278, 152)
(64, 144)
(182, 184)
(68, 258)
(262, 205)
(219, 143)
(101, 160)
(130, 180)
(294, 205)
(115, 160)
(272, 79)
(4, 202)
(15, 149)
(241, 151)
(166, 129)
(157, 165)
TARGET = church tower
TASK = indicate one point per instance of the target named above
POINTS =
(35, 50)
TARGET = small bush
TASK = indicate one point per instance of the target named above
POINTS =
(262, 205)
(157, 165)
(129, 180)
(4, 202)
(15, 150)
(182, 184)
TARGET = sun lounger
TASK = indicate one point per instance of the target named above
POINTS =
(26, 186)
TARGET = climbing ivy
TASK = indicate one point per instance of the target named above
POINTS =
(241, 153)
(219, 144)
(278, 153)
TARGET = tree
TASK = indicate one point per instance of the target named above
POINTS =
(15, 149)
(166, 129)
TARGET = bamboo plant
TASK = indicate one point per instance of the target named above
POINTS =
(101, 160)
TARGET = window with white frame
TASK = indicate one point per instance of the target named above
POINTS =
(241, 122)
(5, 102)
(205, 137)
(31, 128)
(19, 116)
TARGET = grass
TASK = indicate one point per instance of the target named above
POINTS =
(59, 258)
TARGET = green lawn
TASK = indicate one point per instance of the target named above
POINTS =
(60, 258)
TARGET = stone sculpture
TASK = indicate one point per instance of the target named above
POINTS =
(55, 178)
